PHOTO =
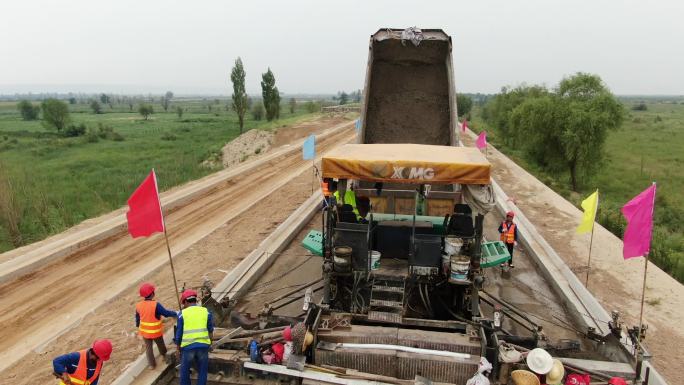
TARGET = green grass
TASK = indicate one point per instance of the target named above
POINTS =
(57, 182)
(648, 147)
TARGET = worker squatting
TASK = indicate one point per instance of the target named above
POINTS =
(193, 339)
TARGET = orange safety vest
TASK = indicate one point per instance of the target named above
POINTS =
(324, 187)
(150, 326)
(508, 233)
(80, 375)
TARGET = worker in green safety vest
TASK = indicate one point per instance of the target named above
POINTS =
(349, 199)
(193, 337)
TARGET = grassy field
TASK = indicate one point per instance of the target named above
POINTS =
(50, 182)
(649, 147)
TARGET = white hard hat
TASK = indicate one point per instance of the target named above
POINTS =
(539, 361)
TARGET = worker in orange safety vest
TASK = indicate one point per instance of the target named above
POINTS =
(148, 313)
(509, 234)
(82, 367)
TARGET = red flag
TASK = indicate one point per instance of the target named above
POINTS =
(144, 214)
(464, 125)
(639, 215)
(481, 141)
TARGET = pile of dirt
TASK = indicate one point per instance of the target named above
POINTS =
(251, 143)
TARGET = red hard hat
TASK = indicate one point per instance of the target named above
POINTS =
(278, 350)
(510, 214)
(189, 293)
(146, 289)
(102, 349)
(287, 333)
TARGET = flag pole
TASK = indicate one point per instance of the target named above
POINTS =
(173, 271)
(591, 241)
(643, 291)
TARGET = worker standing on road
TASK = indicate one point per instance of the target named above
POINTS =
(509, 234)
(193, 337)
(148, 313)
(82, 367)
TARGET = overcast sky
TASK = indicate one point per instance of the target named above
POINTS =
(321, 46)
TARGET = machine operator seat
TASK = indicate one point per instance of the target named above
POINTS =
(460, 223)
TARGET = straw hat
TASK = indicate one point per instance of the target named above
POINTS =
(555, 376)
(307, 340)
(524, 377)
(539, 361)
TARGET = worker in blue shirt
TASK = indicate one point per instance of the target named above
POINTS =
(83, 366)
(194, 330)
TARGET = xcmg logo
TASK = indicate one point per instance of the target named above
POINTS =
(422, 173)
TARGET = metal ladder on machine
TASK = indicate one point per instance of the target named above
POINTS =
(387, 300)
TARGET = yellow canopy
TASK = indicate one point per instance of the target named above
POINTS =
(407, 163)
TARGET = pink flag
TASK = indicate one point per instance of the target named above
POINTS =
(144, 214)
(481, 141)
(639, 215)
(464, 125)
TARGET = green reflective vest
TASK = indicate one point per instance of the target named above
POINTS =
(195, 326)
(349, 199)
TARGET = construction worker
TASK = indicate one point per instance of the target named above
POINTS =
(148, 313)
(509, 234)
(82, 367)
(193, 336)
(349, 199)
(325, 188)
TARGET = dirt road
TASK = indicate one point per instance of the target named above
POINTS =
(616, 283)
(49, 300)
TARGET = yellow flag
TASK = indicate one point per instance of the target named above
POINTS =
(590, 205)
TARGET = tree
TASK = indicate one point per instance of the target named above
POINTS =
(240, 102)
(567, 129)
(72, 100)
(55, 114)
(179, 112)
(166, 100)
(343, 98)
(463, 104)
(104, 98)
(270, 95)
(497, 111)
(146, 110)
(95, 106)
(27, 110)
(293, 105)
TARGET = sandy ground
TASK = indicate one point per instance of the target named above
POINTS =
(616, 283)
(47, 299)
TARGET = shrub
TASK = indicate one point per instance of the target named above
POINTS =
(640, 107)
(27, 110)
(258, 111)
(658, 118)
(168, 136)
(117, 137)
(75, 130)
(92, 136)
